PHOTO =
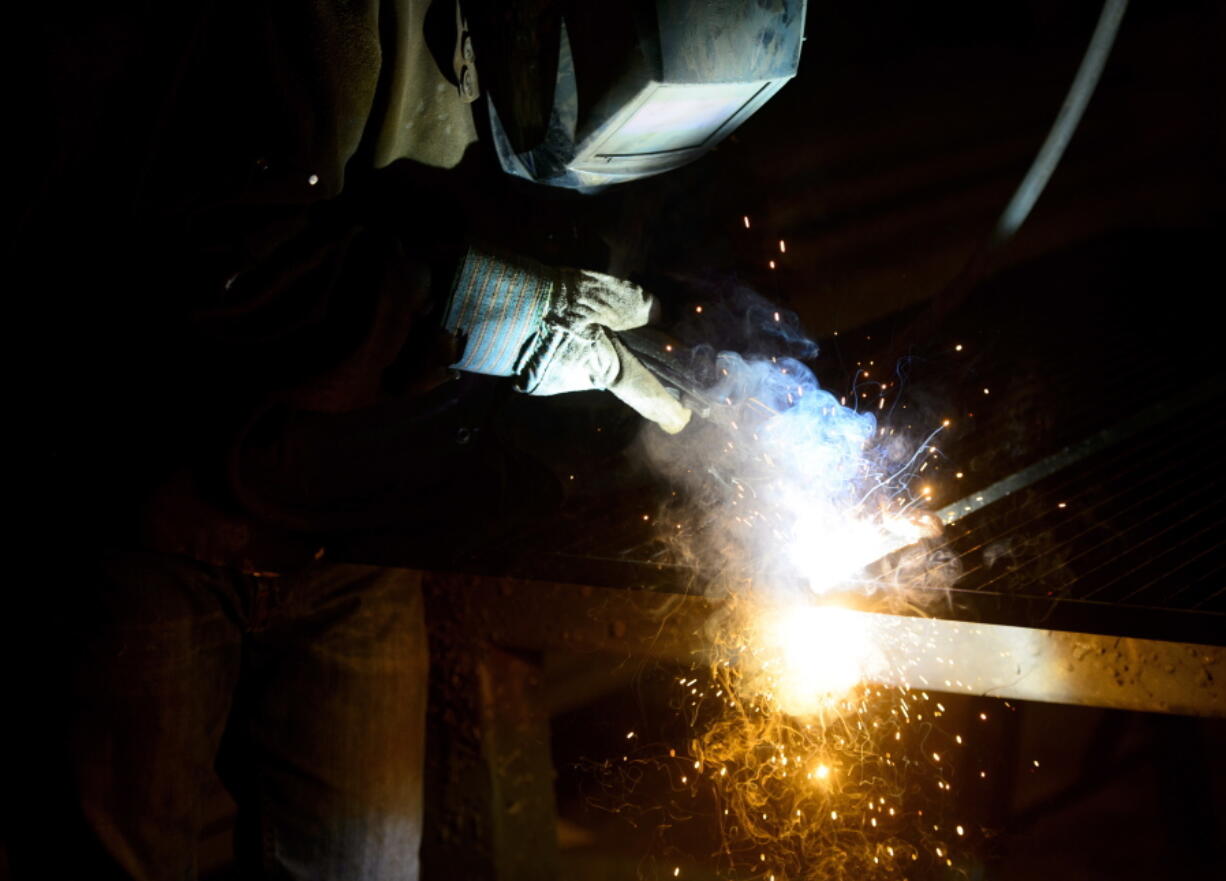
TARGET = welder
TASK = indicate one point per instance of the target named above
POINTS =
(273, 261)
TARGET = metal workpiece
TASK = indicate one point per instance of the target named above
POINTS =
(934, 654)
(489, 775)
(1152, 416)
(1051, 666)
(530, 615)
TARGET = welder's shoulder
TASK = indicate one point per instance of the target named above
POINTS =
(176, 103)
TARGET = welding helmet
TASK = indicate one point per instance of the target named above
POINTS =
(583, 94)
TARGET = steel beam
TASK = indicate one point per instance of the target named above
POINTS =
(929, 653)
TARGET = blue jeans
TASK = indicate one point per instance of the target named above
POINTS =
(306, 692)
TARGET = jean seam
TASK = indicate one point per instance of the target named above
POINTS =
(268, 835)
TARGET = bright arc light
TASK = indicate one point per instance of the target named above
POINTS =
(829, 553)
(824, 651)
(831, 550)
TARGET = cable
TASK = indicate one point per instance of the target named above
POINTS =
(1067, 119)
(1033, 183)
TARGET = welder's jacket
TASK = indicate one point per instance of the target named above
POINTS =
(242, 223)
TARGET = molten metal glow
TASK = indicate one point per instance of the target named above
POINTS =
(822, 653)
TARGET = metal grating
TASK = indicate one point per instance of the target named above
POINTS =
(1129, 539)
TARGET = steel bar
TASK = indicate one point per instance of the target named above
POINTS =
(1150, 417)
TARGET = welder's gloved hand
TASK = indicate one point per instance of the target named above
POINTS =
(554, 330)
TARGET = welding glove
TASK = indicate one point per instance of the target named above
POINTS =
(554, 330)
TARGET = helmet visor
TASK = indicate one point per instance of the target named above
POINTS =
(653, 92)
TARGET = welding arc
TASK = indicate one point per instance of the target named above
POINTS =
(1036, 178)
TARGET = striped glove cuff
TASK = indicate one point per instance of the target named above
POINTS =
(498, 303)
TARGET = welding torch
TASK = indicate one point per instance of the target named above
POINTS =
(687, 373)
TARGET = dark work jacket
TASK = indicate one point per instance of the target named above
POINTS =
(236, 289)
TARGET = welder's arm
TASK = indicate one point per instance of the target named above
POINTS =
(555, 331)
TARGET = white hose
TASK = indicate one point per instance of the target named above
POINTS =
(1062, 129)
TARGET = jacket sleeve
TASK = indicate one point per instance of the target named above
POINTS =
(293, 277)
(210, 165)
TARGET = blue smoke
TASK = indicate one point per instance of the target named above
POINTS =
(783, 488)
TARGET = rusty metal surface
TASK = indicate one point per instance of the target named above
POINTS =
(538, 615)
(1051, 666)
